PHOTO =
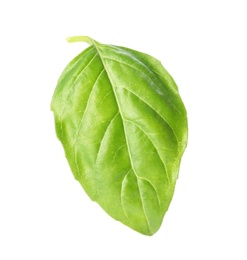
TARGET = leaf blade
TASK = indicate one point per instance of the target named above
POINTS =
(119, 117)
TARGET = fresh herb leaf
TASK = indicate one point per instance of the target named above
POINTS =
(123, 126)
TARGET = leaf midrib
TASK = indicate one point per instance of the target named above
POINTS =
(126, 139)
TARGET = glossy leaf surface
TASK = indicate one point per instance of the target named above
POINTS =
(123, 126)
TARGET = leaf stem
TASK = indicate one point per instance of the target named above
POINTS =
(80, 39)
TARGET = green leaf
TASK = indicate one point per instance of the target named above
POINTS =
(123, 126)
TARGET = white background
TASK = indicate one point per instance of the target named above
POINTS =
(44, 213)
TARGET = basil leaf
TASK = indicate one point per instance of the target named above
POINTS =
(123, 126)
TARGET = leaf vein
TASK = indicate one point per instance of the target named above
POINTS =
(153, 146)
(70, 92)
(97, 155)
(156, 193)
(145, 102)
(83, 115)
(128, 65)
(119, 148)
(122, 195)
